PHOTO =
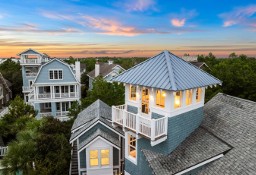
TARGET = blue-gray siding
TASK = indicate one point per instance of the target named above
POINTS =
(43, 77)
(82, 156)
(132, 109)
(179, 127)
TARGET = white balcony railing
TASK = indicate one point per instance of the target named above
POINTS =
(62, 113)
(31, 74)
(63, 118)
(3, 112)
(30, 61)
(43, 96)
(45, 114)
(27, 88)
(151, 128)
(3, 151)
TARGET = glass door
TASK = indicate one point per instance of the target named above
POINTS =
(145, 101)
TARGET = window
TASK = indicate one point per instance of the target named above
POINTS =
(160, 98)
(132, 92)
(132, 146)
(47, 105)
(72, 88)
(198, 94)
(55, 74)
(94, 159)
(99, 157)
(104, 157)
(188, 97)
(177, 99)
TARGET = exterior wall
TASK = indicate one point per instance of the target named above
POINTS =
(179, 127)
(43, 77)
(90, 83)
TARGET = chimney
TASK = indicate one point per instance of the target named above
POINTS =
(110, 62)
(97, 68)
(77, 70)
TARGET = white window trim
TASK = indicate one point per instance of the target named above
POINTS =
(127, 156)
(53, 74)
(99, 158)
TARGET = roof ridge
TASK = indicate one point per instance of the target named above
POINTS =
(170, 70)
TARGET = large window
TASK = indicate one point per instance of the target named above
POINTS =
(94, 158)
(188, 97)
(160, 98)
(133, 92)
(198, 94)
(55, 74)
(132, 146)
(99, 157)
(177, 99)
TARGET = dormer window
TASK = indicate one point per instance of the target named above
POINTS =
(133, 92)
(55, 74)
(177, 99)
(160, 98)
(188, 97)
(198, 94)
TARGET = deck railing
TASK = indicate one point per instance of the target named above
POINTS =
(4, 111)
(45, 114)
(31, 74)
(151, 128)
(27, 88)
(3, 151)
(30, 61)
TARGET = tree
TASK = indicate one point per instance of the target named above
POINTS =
(74, 110)
(232, 55)
(110, 93)
(17, 117)
(12, 72)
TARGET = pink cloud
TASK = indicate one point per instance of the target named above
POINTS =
(178, 22)
(110, 27)
(139, 5)
(240, 16)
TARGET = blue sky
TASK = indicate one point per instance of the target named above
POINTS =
(83, 28)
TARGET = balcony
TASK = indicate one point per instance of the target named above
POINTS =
(30, 61)
(153, 129)
(27, 88)
(45, 114)
(44, 96)
(31, 74)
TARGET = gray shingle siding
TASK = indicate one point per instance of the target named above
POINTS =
(179, 127)
(132, 109)
(156, 116)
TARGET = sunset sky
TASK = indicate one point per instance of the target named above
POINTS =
(124, 28)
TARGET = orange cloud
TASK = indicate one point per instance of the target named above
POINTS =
(178, 22)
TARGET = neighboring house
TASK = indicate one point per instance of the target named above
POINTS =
(5, 91)
(97, 147)
(164, 99)
(49, 85)
(194, 60)
(106, 70)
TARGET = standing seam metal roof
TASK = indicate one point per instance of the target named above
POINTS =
(167, 71)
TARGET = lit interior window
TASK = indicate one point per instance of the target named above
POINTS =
(133, 92)
(132, 146)
(198, 94)
(160, 98)
(177, 99)
(188, 97)
(94, 160)
(104, 157)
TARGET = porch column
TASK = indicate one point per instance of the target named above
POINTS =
(53, 109)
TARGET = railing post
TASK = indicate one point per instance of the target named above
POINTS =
(153, 129)
(166, 125)
(124, 118)
(137, 123)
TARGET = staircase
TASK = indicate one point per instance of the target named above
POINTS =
(5, 84)
(74, 160)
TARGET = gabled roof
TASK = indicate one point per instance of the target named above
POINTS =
(60, 61)
(229, 127)
(6, 83)
(97, 111)
(30, 52)
(100, 133)
(105, 69)
(167, 71)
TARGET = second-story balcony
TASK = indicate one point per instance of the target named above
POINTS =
(47, 96)
(153, 129)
